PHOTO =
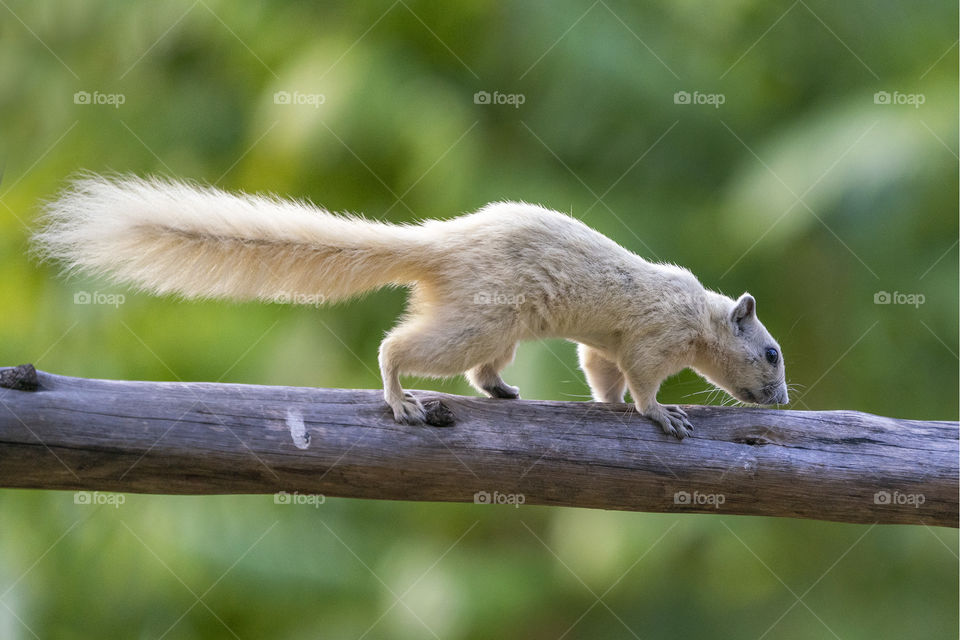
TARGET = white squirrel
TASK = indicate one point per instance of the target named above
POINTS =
(480, 283)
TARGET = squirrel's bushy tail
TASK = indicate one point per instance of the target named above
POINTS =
(166, 236)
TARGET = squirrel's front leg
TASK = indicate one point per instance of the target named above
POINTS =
(672, 419)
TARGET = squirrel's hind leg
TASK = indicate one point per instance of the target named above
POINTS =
(486, 378)
(430, 346)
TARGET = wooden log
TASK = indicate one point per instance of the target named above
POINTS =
(58, 432)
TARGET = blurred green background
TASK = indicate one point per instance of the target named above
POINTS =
(815, 165)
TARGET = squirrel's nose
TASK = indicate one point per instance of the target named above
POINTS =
(783, 397)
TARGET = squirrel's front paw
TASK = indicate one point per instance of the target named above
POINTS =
(672, 419)
(409, 410)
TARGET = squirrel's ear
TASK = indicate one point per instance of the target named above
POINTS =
(744, 311)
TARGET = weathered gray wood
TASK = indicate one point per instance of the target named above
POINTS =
(200, 438)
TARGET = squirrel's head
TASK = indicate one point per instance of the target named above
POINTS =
(740, 356)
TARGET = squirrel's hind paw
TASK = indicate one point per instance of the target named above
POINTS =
(412, 411)
(409, 410)
(503, 391)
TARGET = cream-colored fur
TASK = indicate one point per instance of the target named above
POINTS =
(480, 283)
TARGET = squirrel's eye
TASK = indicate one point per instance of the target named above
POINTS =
(772, 356)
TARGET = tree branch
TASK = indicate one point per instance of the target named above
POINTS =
(58, 432)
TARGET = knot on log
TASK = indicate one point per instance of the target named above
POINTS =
(21, 378)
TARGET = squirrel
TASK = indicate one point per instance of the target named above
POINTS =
(480, 283)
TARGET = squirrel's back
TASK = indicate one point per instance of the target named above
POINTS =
(558, 272)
